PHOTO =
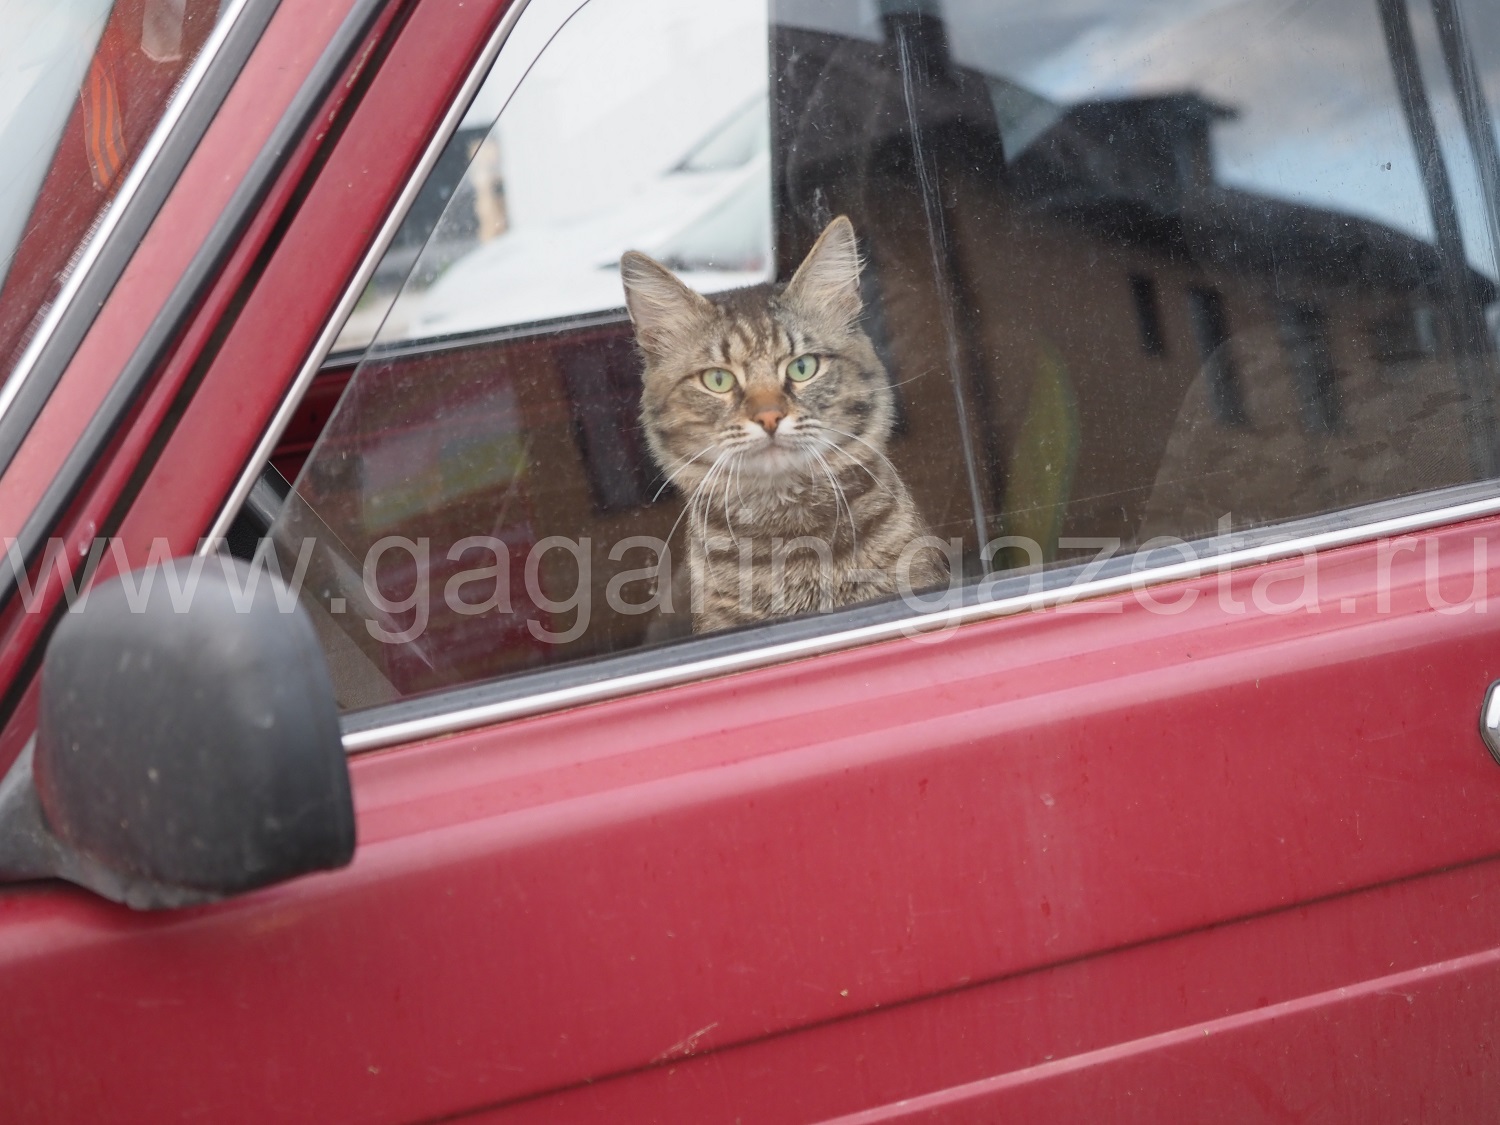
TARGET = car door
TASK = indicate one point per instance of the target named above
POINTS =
(1174, 804)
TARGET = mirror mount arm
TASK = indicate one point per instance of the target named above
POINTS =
(29, 851)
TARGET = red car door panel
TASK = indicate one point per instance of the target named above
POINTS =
(603, 890)
(1020, 1045)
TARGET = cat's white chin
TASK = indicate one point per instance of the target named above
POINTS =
(776, 459)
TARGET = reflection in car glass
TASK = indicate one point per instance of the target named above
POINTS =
(82, 85)
(1132, 271)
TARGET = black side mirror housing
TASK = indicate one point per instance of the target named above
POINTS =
(188, 743)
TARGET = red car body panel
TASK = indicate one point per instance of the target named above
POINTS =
(1237, 861)
(1017, 1048)
(985, 824)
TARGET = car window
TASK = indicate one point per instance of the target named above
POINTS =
(532, 210)
(83, 83)
(1128, 274)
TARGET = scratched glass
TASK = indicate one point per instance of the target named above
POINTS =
(1136, 269)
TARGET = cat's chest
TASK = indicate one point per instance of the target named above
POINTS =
(783, 508)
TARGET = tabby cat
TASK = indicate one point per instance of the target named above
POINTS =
(769, 409)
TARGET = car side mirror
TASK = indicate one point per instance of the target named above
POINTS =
(188, 743)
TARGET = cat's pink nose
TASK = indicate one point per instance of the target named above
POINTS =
(768, 420)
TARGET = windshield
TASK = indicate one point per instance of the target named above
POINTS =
(43, 59)
(83, 84)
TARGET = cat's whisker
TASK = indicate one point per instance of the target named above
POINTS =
(706, 493)
(913, 379)
(848, 509)
(708, 501)
(673, 474)
(837, 510)
(724, 461)
(688, 505)
(853, 460)
(738, 495)
(838, 494)
(731, 473)
(867, 445)
(730, 462)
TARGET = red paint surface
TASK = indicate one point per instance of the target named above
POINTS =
(1413, 1046)
(919, 866)
(980, 1047)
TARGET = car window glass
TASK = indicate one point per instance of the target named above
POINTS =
(1132, 272)
(539, 205)
(82, 85)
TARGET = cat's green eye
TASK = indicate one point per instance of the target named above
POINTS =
(803, 368)
(717, 380)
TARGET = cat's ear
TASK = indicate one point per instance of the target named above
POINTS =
(662, 308)
(826, 284)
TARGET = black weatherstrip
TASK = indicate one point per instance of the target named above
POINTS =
(190, 289)
(137, 214)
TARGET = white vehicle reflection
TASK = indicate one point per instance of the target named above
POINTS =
(708, 217)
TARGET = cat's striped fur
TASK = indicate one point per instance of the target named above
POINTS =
(792, 504)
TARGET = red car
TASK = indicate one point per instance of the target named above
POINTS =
(1180, 802)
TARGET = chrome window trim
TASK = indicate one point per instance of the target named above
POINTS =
(469, 718)
(117, 208)
(324, 345)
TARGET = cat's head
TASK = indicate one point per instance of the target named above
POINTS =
(769, 376)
